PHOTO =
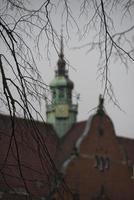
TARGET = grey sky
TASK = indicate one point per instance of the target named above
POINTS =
(84, 71)
(89, 86)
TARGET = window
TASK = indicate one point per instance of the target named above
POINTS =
(102, 162)
(61, 93)
(107, 163)
(69, 94)
(54, 93)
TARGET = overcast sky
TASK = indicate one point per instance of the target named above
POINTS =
(84, 74)
(86, 83)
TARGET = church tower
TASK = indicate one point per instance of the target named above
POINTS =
(61, 112)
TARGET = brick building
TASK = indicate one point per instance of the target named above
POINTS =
(100, 167)
(95, 163)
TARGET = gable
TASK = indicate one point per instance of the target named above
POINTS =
(99, 163)
(101, 138)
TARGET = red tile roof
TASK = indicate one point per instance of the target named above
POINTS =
(34, 141)
(25, 160)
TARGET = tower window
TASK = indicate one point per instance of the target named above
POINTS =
(61, 93)
(69, 94)
(54, 93)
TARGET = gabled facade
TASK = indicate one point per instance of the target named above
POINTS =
(99, 168)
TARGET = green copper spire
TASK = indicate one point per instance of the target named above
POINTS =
(61, 62)
(61, 112)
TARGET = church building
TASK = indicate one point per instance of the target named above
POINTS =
(63, 159)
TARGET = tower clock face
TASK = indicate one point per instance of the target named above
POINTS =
(62, 111)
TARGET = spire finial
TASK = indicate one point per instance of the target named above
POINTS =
(61, 43)
(101, 105)
(61, 62)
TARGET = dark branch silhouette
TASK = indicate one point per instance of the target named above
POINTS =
(23, 24)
